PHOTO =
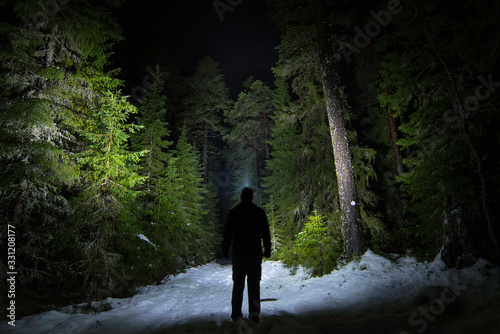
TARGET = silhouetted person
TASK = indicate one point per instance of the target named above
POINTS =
(246, 227)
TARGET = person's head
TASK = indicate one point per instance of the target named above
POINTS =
(246, 195)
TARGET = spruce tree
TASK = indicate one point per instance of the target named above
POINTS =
(445, 131)
(201, 234)
(152, 117)
(248, 139)
(277, 228)
(317, 247)
(207, 100)
(185, 231)
(52, 72)
(302, 175)
(106, 207)
(355, 238)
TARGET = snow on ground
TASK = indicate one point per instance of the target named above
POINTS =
(204, 294)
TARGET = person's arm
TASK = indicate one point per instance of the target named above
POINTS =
(228, 235)
(266, 235)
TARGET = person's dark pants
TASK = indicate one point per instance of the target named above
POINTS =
(252, 270)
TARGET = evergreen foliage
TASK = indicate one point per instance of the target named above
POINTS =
(87, 226)
(207, 100)
(277, 228)
(106, 196)
(248, 140)
(190, 231)
(106, 206)
(182, 230)
(318, 247)
(433, 90)
(153, 138)
(52, 70)
(155, 252)
(302, 167)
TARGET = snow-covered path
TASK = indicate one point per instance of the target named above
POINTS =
(204, 293)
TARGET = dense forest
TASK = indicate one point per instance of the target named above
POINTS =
(379, 132)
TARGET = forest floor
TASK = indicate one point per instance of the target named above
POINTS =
(374, 294)
(484, 319)
(479, 314)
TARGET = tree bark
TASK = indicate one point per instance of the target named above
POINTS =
(479, 158)
(50, 48)
(255, 163)
(394, 139)
(205, 153)
(355, 239)
(458, 250)
(266, 143)
(150, 162)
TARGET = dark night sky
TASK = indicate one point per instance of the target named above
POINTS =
(243, 43)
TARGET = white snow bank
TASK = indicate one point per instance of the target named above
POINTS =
(204, 293)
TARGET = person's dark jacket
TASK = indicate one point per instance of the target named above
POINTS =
(246, 226)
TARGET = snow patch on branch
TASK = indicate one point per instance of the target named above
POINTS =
(143, 237)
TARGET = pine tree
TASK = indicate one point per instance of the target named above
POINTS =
(277, 228)
(212, 237)
(186, 232)
(152, 117)
(188, 169)
(181, 226)
(312, 185)
(207, 100)
(201, 235)
(111, 166)
(156, 252)
(105, 209)
(355, 238)
(316, 247)
(248, 141)
(444, 136)
(52, 69)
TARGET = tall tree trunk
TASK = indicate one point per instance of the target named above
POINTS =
(478, 157)
(50, 48)
(394, 138)
(458, 249)
(355, 242)
(150, 163)
(266, 143)
(205, 154)
(255, 163)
